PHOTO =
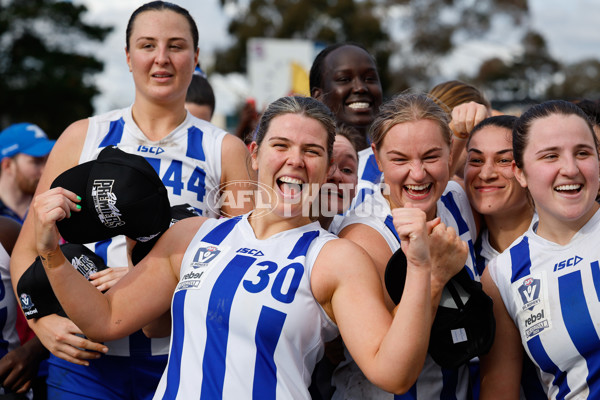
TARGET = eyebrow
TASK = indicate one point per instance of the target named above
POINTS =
(556, 148)
(284, 139)
(476, 150)
(150, 38)
(397, 152)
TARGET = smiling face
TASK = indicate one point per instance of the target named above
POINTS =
(292, 161)
(342, 180)
(161, 55)
(560, 169)
(489, 179)
(415, 160)
(351, 86)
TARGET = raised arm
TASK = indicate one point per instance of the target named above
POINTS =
(140, 297)
(390, 351)
(58, 334)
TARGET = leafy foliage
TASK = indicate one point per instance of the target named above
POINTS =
(44, 74)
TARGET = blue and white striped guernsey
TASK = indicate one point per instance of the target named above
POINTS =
(552, 293)
(188, 161)
(434, 382)
(245, 322)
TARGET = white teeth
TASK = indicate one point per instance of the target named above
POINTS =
(287, 179)
(417, 187)
(358, 105)
(568, 187)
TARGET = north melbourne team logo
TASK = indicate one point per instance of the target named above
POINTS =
(84, 265)
(105, 203)
(205, 255)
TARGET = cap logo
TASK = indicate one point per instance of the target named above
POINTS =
(84, 265)
(105, 203)
(10, 149)
(37, 132)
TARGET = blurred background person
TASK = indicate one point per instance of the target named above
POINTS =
(200, 98)
(24, 149)
(20, 354)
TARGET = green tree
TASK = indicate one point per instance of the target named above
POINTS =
(409, 38)
(524, 77)
(45, 77)
(323, 22)
(578, 80)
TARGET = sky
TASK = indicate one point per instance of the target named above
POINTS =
(567, 26)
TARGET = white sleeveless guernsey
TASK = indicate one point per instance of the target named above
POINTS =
(552, 293)
(188, 161)
(434, 382)
(245, 322)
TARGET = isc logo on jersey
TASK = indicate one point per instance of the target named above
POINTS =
(150, 149)
(205, 255)
(250, 252)
(534, 316)
(570, 262)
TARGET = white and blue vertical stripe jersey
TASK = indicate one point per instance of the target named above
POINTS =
(9, 339)
(552, 293)
(531, 388)
(245, 322)
(369, 176)
(434, 382)
(188, 161)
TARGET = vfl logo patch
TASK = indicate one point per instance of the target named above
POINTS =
(205, 255)
(530, 293)
(105, 203)
(27, 305)
(534, 315)
(84, 265)
(26, 302)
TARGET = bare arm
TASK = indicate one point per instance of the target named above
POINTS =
(390, 351)
(137, 299)
(447, 251)
(237, 177)
(58, 334)
(501, 367)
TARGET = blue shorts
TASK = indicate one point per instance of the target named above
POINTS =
(107, 378)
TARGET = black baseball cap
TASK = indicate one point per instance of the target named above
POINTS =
(178, 212)
(464, 324)
(35, 292)
(121, 194)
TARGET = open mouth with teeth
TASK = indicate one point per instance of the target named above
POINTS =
(290, 186)
(569, 189)
(359, 105)
(418, 191)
